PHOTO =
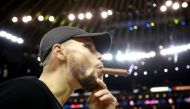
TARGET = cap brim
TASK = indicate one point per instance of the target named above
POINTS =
(102, 40)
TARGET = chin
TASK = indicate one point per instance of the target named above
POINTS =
(89, 83)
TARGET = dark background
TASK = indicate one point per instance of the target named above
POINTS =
(18, 60)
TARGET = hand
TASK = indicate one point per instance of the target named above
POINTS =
(102, 99)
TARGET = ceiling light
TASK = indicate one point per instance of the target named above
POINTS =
(51, 18)
(104, 14)
(81, 16)
(175, 6)
(14, 19)
(168, 3)
(88, 15)
(110, 12)
(71, 17)
(184, 4)
(40, 18)
(163, 8)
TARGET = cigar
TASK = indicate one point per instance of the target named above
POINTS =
(113, 71)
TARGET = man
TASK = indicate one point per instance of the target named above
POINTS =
(71, 61)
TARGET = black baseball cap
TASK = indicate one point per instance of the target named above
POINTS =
(61, 34)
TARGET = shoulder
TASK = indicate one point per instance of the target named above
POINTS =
(20, 86)
(22, 92)
(19, 82)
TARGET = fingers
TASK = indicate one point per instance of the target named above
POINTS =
(101, 83)
(106, 98)
(95, 96)
(101, 92)
(104, 95)
(91, 98)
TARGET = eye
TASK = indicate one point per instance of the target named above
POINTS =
(90, 47)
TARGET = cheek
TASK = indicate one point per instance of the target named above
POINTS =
(81, 69)
(77, 68)
(82, 63)
(85, 58)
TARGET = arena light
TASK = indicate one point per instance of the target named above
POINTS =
(106, 75)
(40, 18)
(187, 66)
(110, 12)
(145, 72)
(160, 47)
(142, 63)
(88, 15)
(71, 17)
(175, 50)
(163, 8)
(76, 106)
(11, 37)
(135, 67)
(135, 27)
(74, 94)
(51, 18)
(131, 68)
(160, 89)
(135, 73)
(187, 100)
(176, 68)
(168, 3)
(81, 16)
(104, 14)
(14, 19)
(183, 23)
(170, 101)
(150, 54)
(120, 56)
(152, 24)
(107, 56)
(175, 6)
(131, 28)
(26, 19)
(176, 21)
(133, 56)
(147, 25)
(29, 18)
(166, 70)
(151, 102)
(38, 58)
(136, 90)
(131, 103)
(184, 5)
(154, 4)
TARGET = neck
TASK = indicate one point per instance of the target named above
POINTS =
(59, 83)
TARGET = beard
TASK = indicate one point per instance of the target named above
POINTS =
(88, 82)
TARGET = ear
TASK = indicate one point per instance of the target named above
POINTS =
(59, 52)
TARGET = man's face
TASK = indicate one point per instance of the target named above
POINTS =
(85, 63)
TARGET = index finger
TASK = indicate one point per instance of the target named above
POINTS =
(101, 83)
